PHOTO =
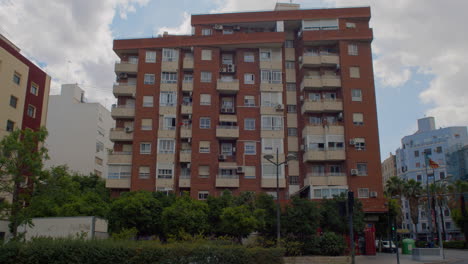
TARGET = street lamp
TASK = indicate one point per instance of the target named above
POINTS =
(270, 158)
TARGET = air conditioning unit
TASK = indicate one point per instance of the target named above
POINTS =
(231, 68)
(190, 116)
(234, 149)
(123, 75)
(302, 147)
(236, 28)
(340, 116)
(240, 169)
(189, 165)
(354, 172)
(218, 27)
(189, 140)
(128, 129)
(373, 194)
(279, 107)
(300, 59)
(190, 93)
(301, 98)
(352, 142)
(223, 69)
(222, 157)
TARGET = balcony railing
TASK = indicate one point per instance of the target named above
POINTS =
(119, 175)
(123, 111)
(126, 66)
(228, 86)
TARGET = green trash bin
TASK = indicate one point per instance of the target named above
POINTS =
(408, 245)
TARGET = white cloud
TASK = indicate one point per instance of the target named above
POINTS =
(183, 29)
(72, 37)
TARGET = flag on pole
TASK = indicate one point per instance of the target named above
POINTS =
(433, 164)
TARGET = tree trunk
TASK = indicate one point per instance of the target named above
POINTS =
(443, 222)
(464, 215)
(15, 208)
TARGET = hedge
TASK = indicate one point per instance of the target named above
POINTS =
(66, 251)
(454, 244)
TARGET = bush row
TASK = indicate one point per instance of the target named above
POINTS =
(455, 244)
(68, 251)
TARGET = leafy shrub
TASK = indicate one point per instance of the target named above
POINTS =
(454, 244)
(58, 251)
(126, 234)
(418, 243)
(332, 244)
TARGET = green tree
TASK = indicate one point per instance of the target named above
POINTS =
(459, 206)
(216, 205)
(332, 221)
(239, 221)
(412, 192)
(395, 187)
(136, 209)
(187, 216)
(301, 218)
(21, 166)
(267, 203)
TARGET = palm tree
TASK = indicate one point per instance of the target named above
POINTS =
(439, 190)
(457, 200)
(395, 186)
(412, 191)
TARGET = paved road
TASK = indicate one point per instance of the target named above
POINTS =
(452, 257)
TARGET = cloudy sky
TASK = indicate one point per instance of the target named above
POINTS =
(420, 48)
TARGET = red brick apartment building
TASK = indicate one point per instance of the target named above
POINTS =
(24, 90)
(198, 112)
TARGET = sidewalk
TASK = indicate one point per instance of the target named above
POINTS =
(387, 258)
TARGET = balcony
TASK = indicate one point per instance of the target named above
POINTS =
(318, 60)
(186, 131)
(271, 87)
(324, 105)
(126, 67)
(123, 111)
(329, 82)
(187, 86)
(184, 181)
(312, 155)
(227, 132)
(186, 109)
(271, 182)
(185, 155)
(187, 63)
(121, 134)
(118, 183)
(228, 87)
(124, 89)
(117, 157)
(170, 66)
(326, 179)
(341, 34)
(228, 181)
(332, 129)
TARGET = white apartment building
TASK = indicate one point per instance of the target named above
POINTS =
(78, 132)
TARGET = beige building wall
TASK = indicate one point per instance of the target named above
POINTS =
(8, 66)
(388, 169)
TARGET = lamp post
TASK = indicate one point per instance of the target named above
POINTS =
(270, 158)
(429, 212)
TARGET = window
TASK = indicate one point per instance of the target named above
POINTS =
(292, 131)
(271, 76)
(292, 108)
(145, 148)
(119, 172)
(99, 146)
(150, 56)
(31, 111)
(249, 57)
(269, 145)
(271, 99)
(362, 169)
(167, 99)
(419, 178)
(265, 55)
(363, 193)
(354, 72)
(34, 89)
(269, 171)
(350, 25)
(169, 55)
(169, 123)
(146, 124)
(289, 44)
(249, 78)
(17, 78)
(204, 171)
(353, 49)
(149, 78)
(293, 180)
(424, 226)
(147, 101)
(439, 149)
(290, 65)
(358, 119)
(205, 99)
(98, 161)
(249, 124)
(249, 172)
(416, 153)
(166, 145)
(188, 78)
(204, 147)
(448, 225)
(291, 87)
(144, 172)
(205, 122)
(360, 143)
(165, 171)
(249, 100)
(203, 195)
(418, 164)
(13, 101)
(206, 54)
(446, 212)
(250, 148)
(356, 95)
(226, 149)
(227, 31)
(272, 122)
(169, 77)
(428, 152)
(442, 175)
(206, 31)
(10, 126)
(206, 77)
